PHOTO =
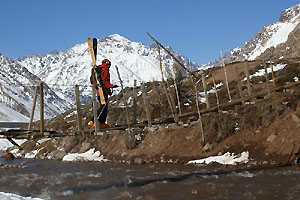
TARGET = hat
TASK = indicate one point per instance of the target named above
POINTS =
(106, 61)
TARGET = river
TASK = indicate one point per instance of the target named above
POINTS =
(50, 179)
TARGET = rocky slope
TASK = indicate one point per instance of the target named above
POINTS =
(17, 86)
(277, 40)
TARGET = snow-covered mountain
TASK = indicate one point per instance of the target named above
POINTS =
(277, 40)
(62, 70)
(17, 86)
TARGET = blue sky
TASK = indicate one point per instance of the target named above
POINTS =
(196, 28)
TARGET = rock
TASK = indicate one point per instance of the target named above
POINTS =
(59, 154)
(180, 123)
(297, 161)
(138, 161)
(9, 156)
(193, 118)
(85, 146)
(207, 147)
(28, 146)
(193, 123)
(271, 138)
(174, 126)
(129, 140)
(295, 118)
(185, 125)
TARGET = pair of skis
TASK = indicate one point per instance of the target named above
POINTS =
(93, 50)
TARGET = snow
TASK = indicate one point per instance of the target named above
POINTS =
(278, 33)
(261, 72)
(5, 144)
(8, 114)
(226, 159)
(90, 155)
(10, 196)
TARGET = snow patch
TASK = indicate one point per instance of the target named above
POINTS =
(226, 159)
(90, 155)
(10, 196)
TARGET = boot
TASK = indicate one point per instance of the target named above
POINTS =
(91, 124)
(103, 126)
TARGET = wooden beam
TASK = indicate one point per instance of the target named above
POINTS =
(78, 108)
(182, 65)
(33, 107)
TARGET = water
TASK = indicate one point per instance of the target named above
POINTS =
(49, 179)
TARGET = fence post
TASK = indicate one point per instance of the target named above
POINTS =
(197, 104)
(33, 108)
(267, 79)
(175, 116)
(226, 79)
(205, 89)
(239, 85)
(248, 78)
(157, 93)
(134, 101)
(176, 89)
(41, 107)
(273, 76)
(125, 100)
(78, 108)
(217, 96)
(95, 108)
(146, 105)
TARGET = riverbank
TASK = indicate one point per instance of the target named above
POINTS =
(275, 144)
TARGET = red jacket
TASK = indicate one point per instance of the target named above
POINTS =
(105, 76)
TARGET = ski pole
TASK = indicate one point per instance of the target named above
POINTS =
(104, 105)
(103, 108)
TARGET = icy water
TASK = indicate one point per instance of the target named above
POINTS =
(49, 179)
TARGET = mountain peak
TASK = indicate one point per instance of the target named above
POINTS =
(116, 37)
(290, 13)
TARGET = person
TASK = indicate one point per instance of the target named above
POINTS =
(106, 87)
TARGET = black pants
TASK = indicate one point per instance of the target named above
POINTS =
(102, 110)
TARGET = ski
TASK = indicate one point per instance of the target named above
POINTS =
(93, 50)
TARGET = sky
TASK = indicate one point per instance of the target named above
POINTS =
(197, 29)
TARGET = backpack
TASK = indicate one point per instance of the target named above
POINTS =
(98, 72)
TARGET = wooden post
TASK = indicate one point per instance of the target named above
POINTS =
(176, 89)
(157, 93)
(267, 80)
(78, 108)
(146, 105)
(134, 101)
(273, 76)
(175, 116)
(197, 104)
(217, 96)
(95, 108)
(33, 107)
(205, 89)
(41, 107)
(125, 100)
(173, 104)
(239, 86)
(248, 78)
(227, 86)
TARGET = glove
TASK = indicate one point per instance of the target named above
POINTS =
(115, 86)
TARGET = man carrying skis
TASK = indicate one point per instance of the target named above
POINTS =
(103, 71)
